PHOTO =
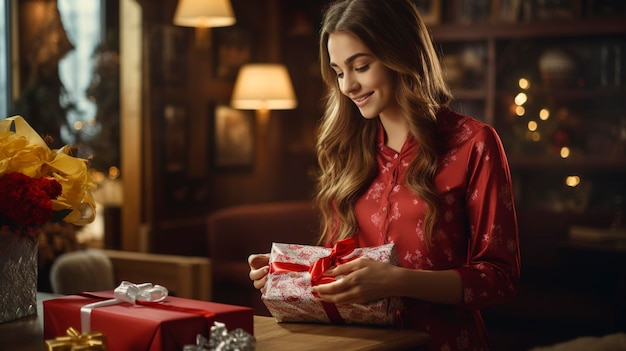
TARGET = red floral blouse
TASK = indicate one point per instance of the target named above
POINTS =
(477, 233)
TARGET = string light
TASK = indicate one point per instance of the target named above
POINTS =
(524, 83)
(572, 181)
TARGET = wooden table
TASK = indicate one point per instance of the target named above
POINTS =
(26, 334)
(272, 336)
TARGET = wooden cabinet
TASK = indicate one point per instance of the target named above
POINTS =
(556, 93)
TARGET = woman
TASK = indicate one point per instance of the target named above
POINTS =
(397, 165)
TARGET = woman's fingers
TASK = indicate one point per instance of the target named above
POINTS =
(258, 269)
(260, 283)
(257, 261)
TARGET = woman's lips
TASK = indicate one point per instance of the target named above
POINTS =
(362, 100)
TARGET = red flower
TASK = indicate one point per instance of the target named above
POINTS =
(26, 201)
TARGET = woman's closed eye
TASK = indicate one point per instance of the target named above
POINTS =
(362, 68)
(359, 69)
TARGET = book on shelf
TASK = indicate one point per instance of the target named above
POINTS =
(596, 234)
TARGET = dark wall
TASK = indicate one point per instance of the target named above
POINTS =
(186, 80)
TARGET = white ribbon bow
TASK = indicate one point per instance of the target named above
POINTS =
(125, 292)
(130, 292)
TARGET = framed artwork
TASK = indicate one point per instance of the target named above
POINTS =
(175, 122)
(234, 137)
(168, 47)
(232, 48)
(430, 10)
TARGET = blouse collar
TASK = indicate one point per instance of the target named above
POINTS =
(408, 148)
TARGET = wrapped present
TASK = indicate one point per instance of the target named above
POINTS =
(294, 269)
(91, 341)
(141, 317)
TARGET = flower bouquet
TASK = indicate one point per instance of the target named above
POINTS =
(37, 186)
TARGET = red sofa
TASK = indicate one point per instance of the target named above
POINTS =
(236, 232)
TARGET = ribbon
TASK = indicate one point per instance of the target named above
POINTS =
(337, 256)
(126, 292)
(222, 340)
(341, 249)
(23, 150)
(92, 341)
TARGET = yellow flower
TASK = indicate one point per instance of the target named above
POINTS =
(23, 150)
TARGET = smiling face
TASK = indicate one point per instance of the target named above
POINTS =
(362, 77)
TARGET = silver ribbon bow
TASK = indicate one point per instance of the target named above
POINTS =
(223, 340)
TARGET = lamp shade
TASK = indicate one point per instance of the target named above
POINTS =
(204, 13)
(263, 86)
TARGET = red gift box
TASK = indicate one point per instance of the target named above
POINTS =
(295, 268)
(167, 325)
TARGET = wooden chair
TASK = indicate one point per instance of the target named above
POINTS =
(84, 270)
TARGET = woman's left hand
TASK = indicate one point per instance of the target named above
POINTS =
(365, 280)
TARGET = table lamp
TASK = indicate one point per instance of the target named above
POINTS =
(263, 87)
(204, 14)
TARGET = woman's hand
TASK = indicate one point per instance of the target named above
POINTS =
(365, 280)
(259, 267)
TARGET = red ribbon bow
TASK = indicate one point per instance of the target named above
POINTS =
(337, 256)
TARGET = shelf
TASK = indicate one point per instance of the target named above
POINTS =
(588, 114)
(470, 94)
(552, 29)
(564, 92)
(589, 164)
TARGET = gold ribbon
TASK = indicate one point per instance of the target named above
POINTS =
(74, 341)
(24, 151)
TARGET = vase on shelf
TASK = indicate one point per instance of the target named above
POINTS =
(18, 275)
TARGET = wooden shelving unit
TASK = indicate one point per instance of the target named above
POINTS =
(602, 109)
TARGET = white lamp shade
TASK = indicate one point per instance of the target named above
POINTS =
(263, 86)
(204, 13)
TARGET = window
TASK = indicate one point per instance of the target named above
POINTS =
(5, 58)
(82, 21)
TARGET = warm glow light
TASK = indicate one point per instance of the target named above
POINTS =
(521, 99)
(565, 152)
(572, 181)
(524, 83)
(263, 86)
(204, 13)
(78, 125)
(534, 136)
(114, 172)
(520, 110)
(544, 114)
(532, 126)
(97, 176)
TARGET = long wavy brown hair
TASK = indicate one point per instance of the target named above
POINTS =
(347, 143)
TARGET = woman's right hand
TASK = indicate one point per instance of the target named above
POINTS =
(259, 267)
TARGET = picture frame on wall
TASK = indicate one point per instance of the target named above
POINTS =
(168, 47)
(175, 123)
(232, 47)
(234, 138)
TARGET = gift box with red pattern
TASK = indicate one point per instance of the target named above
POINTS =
(168, 324)
(294, 269)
